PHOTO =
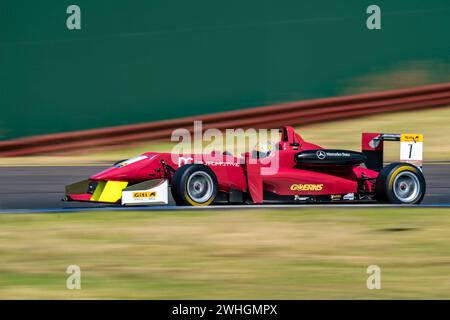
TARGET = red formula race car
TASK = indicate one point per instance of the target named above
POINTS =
(290, 171)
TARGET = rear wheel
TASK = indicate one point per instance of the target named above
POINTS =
(194, 185)
(400, 183)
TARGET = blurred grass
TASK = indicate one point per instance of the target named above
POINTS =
(252, 254)
(346, 134)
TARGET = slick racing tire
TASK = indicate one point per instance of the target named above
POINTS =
(400, 183)
(194, 185)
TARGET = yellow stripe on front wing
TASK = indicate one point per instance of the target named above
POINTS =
(109, 191)
(98, 190)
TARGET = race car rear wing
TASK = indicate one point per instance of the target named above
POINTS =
(411, 148)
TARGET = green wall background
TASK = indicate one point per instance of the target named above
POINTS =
(137, 61)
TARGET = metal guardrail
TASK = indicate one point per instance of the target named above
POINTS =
(293, 113)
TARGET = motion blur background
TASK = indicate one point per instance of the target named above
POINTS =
(149, 60)
(143, 60)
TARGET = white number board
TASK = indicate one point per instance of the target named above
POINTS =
(411, 148)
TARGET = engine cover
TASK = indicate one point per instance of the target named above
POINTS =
(328, 157)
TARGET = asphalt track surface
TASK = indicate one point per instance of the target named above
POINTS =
(41, 188)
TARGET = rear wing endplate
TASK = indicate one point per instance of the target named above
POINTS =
(411, 148)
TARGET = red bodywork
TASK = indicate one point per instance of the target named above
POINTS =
(290, 180)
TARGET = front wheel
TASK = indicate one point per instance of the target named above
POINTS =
(400, 183)
(194, 185)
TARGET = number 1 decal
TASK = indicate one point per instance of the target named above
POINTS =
(411, 148)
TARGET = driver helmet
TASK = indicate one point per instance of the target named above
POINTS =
(263, 150)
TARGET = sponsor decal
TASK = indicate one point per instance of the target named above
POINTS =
(375, 142)
(184, 160)
(349, 196)
(321, 154)
(338, 154)
(307, 187)
(189, 160)
(335, 197)
(144, 194)
(221, 164)
(409, 137)
(300, 198)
